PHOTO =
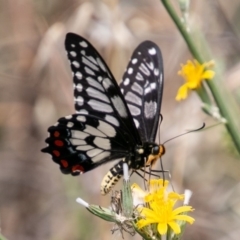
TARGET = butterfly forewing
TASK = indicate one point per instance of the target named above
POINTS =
(96, 92)
(142, 86)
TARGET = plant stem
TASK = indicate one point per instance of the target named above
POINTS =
(2, 237)
(220, 95)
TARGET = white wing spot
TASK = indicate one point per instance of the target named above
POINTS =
(139, 77)
(77, 142)
(134, 60)
(78, 75)
(83, 44)
(89, 64)
(136, 122)
(100, 106)
(100, 63)
(89, 71)
(161, 77)
(147, 90)
(112, 120)
(79, 87)
(131, 97)
(101, 156)
(73, 45)
(144, 69)
(69, 117)
(126, 81)
(73, 53)
(107, 129)
(99, 78)
(92, 59)
(83, 52)
(83, 111)
(150, 109)
(78, 134)
(130, 70)
(84, 147)
(93, 131)
(137, 88)
(96, 94)
(102, 143)
(151, 65)
(119, 106)
(94, 152)
(70, 124)
(153, 85)
(81, 118)
(76, 64)
(156, 72)
(79, 100)
(94, 83)
(135, 111)
(106, 83)
(152, 51)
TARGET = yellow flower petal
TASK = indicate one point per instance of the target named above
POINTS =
(182, 209)
(143, 223)
(162, 228)
(209, 74)
(174, 195)
(185, 218)
(194, 73)
(175, 227)
(182, 92)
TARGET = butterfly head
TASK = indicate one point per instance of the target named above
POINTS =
(155, 152)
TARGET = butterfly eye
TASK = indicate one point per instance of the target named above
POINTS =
(155, 150)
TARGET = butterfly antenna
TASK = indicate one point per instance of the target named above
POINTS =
(194, 130)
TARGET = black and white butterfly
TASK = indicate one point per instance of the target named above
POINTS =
(111, 122)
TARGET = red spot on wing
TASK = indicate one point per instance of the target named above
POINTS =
(56, 134)
(78, 168)
(64, 163)
(58, 143)
(56, 153)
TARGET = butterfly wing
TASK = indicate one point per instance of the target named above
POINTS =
(142, 87)
(96, 91)
(102, 128)
(80, 143)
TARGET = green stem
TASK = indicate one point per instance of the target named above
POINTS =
(221, 96)
(2, 237)
(182, 28)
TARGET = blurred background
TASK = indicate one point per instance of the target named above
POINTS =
(38, 202)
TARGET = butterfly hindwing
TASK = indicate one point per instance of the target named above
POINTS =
(142, 86)
(80, 143)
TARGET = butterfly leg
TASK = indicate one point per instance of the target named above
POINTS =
(112, 177)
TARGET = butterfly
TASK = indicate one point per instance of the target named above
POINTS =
(112, 122)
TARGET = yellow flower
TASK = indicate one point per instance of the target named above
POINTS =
(160, 209)
(193, 73)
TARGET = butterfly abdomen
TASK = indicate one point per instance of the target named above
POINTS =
(112, 177)
(145, 156)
